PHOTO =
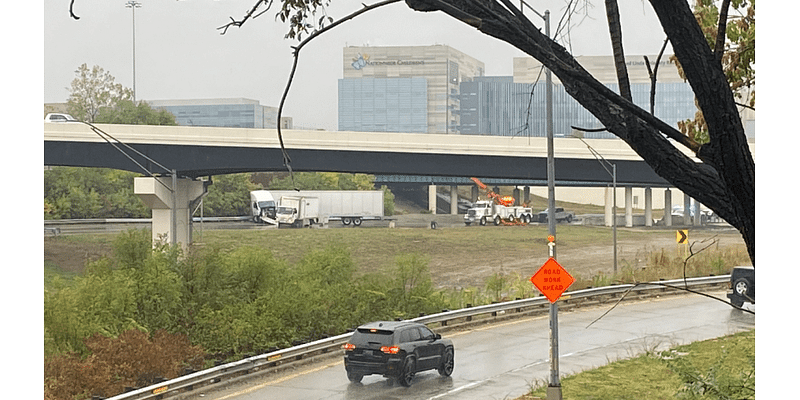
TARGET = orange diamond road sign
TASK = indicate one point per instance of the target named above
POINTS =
(552, 280)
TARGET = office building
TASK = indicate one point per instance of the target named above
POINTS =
(232, 113)
(403, 88)
(515, 106)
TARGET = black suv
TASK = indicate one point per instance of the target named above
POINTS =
(743, 286)
(396, 349)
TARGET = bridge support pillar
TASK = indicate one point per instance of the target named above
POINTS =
(526, 195)
(453, 199)
(628, 206)
(517, 199)
(157, 193)
(648, 206)
(432, 199)
(687, 210)
(668, 207)
(474, 194)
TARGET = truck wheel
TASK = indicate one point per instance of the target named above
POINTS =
(497, 220)
(346, 221)
(483, 221)
(569, 218)
(510, 218)
(255, 218)
(357, 221)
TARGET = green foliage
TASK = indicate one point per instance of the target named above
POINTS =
(388, 201)
(728, 372)
(323, 181)
(126, 112)
(738, 58)
(80, 193)
(229, 196)
(91, 90)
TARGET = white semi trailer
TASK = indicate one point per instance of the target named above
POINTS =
(347, 206)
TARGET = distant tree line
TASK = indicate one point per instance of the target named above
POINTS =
(86, 193)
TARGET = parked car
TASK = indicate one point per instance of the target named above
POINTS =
(396, 350)
(743, 286)
(561, 215)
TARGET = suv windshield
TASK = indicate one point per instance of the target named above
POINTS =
(375, 336)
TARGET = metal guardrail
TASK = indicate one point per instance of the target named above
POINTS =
(517, 307)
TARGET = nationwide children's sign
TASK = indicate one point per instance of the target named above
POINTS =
(552, 280)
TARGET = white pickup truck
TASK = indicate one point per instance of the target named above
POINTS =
(561, 215)
(486, 210)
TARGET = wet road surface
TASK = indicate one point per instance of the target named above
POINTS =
(504, 361)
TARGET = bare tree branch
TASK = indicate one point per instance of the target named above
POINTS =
(653, 73)
(72, 14)
(719, 45)
(247, 16)
(637, 284)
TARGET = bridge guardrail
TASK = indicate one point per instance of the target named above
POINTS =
(327, 345)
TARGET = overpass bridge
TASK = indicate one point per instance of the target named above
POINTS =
(177, 156)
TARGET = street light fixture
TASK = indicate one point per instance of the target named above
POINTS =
(133, 5)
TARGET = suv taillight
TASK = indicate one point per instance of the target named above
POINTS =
(390, 350)
(349, 346)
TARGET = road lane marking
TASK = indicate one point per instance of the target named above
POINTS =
(277, 381)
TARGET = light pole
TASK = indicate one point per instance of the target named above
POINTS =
(133, 5)
(613, 172)
(554, 387)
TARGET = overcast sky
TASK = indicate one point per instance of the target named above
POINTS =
(180, 54)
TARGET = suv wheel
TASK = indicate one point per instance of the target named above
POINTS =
(740, 287)
(447, 363)
(407, 373)
(353, 377)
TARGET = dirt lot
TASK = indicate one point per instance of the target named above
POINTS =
(471, 270)
(585, 261)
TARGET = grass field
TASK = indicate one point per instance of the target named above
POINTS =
(462, 257)
(720, 368)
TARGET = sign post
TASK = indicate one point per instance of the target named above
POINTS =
(552, 280)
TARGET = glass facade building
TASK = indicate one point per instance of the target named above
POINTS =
(498, 106)
(383, 104)
(515, 106)
(403, 88)
(231, 113)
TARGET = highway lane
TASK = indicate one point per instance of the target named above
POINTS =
(504, 361)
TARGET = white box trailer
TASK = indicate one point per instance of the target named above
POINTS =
(348, 206)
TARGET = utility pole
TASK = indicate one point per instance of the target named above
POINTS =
(133, 5)
(554, 387)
